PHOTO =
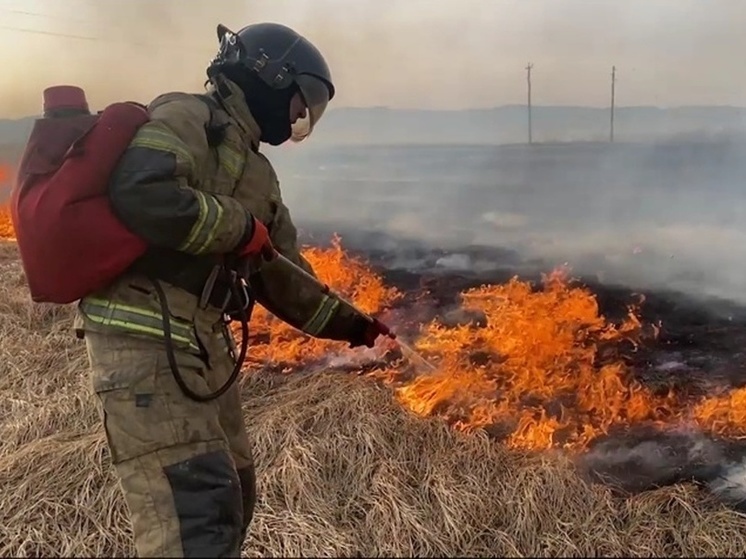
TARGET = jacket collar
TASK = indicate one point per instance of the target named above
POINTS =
(232, 99)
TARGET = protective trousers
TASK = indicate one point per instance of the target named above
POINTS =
(185, 467)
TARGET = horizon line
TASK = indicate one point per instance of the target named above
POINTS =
(494, 108)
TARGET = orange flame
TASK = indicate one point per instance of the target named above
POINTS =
(278, 342)
(546, 371)
(540, 378)
(6, 225)
(535, 372)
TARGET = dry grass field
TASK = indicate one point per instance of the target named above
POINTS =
(343, 468)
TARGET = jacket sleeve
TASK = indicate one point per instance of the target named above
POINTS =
(294, 298)
(152, 190)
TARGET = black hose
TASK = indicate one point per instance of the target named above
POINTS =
(170, 355)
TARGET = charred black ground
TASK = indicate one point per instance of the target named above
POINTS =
(700, 349)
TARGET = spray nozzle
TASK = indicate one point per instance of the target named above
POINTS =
(382, 328)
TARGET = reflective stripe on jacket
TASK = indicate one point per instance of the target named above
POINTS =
(137, 321)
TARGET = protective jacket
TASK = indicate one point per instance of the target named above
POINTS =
(188, 184)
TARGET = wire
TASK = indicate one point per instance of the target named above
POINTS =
(69, 35)
(38, 14)
(51, 33)
(77, 36)
(92, 38)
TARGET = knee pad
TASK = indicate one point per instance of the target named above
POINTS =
(209, 504)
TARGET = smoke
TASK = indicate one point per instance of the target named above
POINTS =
(670, 215)
(730, 484)
(651, 216)
(641, 460)
(415, 54)
(115, 50)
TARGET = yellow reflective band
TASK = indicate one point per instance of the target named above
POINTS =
(322, 316)
(206, 228)
(231, 160)
(154, 135)
(210, 230)
(135, 319)
(197, 227)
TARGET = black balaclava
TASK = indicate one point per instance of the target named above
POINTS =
(269, 107)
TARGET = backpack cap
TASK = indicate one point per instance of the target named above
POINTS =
(64, 97)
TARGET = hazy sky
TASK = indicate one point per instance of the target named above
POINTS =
(400, 53)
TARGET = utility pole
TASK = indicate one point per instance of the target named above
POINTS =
(528, 80)
(613, 93)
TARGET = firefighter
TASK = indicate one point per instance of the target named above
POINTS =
(194, 184)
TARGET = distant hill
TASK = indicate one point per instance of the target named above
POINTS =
(508, 124)
(501, 125)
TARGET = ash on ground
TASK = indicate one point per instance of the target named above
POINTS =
(642, 459)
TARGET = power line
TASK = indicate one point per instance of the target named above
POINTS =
(189, 47)
(90, 38)
(51, 33)
(47, 16)
(22, 12)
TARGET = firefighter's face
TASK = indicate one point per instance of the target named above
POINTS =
(298, 108)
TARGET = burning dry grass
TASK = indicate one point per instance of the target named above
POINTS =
(6, 228)
(6, 225)
(343, 470)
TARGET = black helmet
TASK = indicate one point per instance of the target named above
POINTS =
(284, 62)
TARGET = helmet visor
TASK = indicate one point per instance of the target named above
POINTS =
(316, 96)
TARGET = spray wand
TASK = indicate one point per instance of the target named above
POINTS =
(269, 253)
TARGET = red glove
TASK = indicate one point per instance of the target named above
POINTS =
(259, 243)
(365, 331)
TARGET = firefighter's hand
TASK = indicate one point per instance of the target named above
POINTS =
(258, 243)
(365, 331)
